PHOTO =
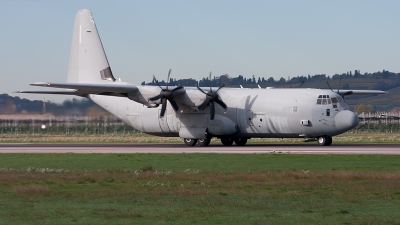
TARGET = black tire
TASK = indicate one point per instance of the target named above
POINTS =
(241, 141)
(328, 140)
(203, 142)
(227, 141)
(190, 142)
(324, 140)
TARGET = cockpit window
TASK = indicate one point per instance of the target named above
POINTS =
(323, 100)
(334, 100)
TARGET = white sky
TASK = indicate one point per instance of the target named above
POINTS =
(193, 37)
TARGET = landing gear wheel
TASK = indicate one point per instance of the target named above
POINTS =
(190, 142)
(328, 140)
(203, 142)
(227, 141)
(325, 140)
(241, 141)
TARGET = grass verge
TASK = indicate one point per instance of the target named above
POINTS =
(199, 189)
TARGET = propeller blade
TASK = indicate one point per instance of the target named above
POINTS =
(156, 97)
(222, 85)
(154, 78)
(302, 82)
(169, 73)
(201, 89)
(203, 105)
(210, 82)
(163, 107)
(221, 103)
(212, 110)
(177, 88)
(173, 104)
(340, 80)
(327, 82)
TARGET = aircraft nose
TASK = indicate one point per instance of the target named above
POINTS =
(345, 120)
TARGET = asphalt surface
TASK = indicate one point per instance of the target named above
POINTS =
(393, 149)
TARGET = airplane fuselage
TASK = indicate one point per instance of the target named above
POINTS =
(281, 113)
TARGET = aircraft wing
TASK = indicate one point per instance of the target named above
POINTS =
(360, 92)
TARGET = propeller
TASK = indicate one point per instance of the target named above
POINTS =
(211, 97)
(290, 83)
(166, 95)
(342, 95)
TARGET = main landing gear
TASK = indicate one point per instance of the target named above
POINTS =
(200, 142)
(325, 140)
(206, 142)
(238, 141)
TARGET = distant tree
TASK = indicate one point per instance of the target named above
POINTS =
(362, 108)
(9, 107)
(271, 80)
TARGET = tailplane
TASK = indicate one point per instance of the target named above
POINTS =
(88, 62)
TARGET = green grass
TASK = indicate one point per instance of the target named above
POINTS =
(199, 189)
(203, 162)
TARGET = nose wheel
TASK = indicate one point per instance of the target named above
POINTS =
(325, 140)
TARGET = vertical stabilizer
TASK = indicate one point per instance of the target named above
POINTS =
(88, 62)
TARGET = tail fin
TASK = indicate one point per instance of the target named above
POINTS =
(88, 62)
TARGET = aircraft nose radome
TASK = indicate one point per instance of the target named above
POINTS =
(345, 120)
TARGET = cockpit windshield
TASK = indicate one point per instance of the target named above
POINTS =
(326, 100)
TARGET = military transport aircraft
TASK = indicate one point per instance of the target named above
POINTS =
(198, 114)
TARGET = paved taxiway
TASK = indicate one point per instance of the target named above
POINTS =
(181, 148)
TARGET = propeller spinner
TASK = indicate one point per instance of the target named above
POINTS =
(166, 95)
(211, 97)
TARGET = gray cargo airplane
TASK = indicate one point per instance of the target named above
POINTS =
(198, 114)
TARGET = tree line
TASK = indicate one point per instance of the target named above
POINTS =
(74, 107)
(253, 81)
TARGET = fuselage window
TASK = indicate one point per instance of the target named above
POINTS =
(328, 112)
(334, 102)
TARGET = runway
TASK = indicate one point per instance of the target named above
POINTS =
(393, 149)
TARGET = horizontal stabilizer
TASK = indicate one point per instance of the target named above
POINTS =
(68, 92)
(90, 88)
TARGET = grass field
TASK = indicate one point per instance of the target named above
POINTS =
(199, 189)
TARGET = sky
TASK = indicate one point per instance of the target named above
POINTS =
(193, 37)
